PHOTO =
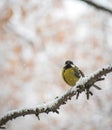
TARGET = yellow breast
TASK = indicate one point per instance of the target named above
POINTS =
(69, 76)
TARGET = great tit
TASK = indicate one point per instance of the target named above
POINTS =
(71, 73)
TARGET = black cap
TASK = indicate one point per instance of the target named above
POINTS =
(68, 62)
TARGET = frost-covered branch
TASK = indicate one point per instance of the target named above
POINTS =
(84, 84)
(97, 6)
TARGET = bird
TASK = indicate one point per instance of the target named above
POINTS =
(71, 73)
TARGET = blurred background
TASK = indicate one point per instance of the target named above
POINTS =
(36, 38)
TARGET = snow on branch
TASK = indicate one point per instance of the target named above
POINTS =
(83, 85)
(97, 6)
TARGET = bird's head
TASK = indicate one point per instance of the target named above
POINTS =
(69, 63)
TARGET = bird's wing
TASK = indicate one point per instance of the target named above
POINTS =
(76, 72)
(82, 74)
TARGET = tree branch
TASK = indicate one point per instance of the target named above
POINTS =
(84, 84)
(97, 6)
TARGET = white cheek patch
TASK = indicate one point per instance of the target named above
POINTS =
(73, 65)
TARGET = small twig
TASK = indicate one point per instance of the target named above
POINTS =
(96, 87)
(97, 6)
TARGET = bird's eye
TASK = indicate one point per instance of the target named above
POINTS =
(71, 63)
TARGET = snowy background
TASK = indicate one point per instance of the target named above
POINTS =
(36, 38)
